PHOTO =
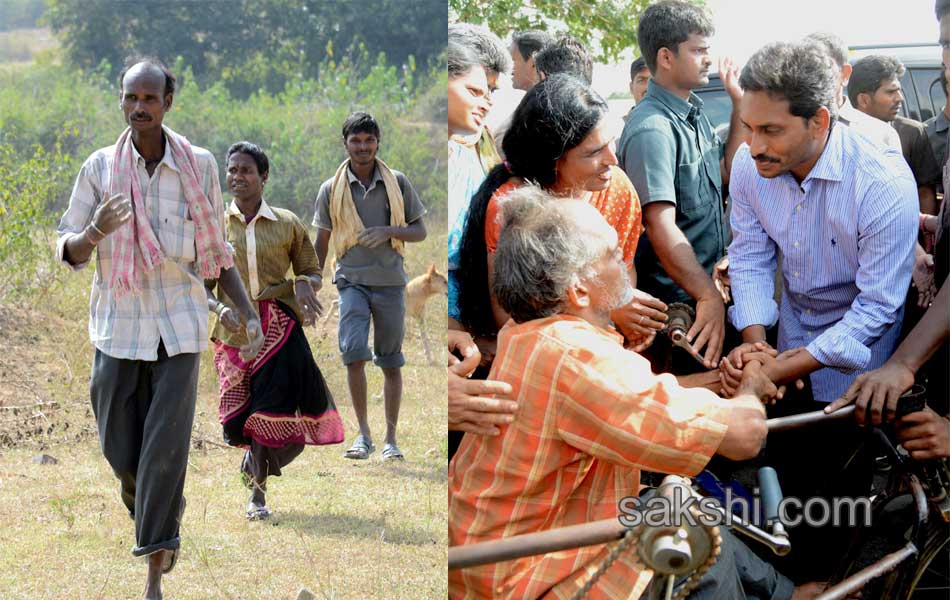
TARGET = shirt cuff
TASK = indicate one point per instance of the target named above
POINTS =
(746, 314)
(61, 253)
(839, 351)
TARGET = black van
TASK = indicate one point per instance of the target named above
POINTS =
(923, 95)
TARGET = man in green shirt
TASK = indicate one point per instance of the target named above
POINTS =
(679, 166)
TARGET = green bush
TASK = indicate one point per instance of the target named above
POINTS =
(53, 116)
(27, 190)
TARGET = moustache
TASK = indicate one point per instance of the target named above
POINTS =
(141, 117)
(764, 158)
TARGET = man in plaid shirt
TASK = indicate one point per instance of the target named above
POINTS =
(151, 205)
(590, 416)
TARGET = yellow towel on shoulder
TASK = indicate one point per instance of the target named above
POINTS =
(346, 220)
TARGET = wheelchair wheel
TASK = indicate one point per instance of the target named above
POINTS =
(930, 578)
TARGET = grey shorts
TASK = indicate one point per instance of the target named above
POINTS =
(386, 305)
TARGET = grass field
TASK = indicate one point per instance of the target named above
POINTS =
(344, 529)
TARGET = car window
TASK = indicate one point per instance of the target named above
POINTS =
(930, 95)
(911, 107)
(716, 105)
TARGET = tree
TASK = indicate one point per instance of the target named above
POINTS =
(607, 27)
(249, 44)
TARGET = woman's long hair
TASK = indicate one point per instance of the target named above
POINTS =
(553, 117)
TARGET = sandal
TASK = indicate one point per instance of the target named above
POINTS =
(169, 560)
(257, 512)
(392, 452)
(361, 448)
(171, 556)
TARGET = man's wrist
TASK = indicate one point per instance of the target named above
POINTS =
(93, 234)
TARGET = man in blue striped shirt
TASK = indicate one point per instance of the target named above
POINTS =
(843, 212)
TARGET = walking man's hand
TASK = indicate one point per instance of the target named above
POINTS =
(255, 340)
(112, 214)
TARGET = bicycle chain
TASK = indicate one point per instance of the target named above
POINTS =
(629, 538)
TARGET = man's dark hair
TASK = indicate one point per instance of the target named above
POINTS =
(637, 66)
(942, 8)
(832, 44)
(360, 122)
(255, 152)
(531, 41)
(552, 118)
(669, 24)
(133, 60)
(801, 73)
(870, 72)
(488, 47)
(566, 55)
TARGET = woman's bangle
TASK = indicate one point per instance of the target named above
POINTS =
(219, 308)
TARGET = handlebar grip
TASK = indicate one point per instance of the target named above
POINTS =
(771, 493)
(911, 402)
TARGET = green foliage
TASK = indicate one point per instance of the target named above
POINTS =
(248, 44)
(607, 27)
(53, 116)
(19, 14)
(27, 191)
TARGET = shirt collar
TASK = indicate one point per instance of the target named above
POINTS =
(681, 108)
(167, 159)
(829, 165)
(264, 212)
(353, 178)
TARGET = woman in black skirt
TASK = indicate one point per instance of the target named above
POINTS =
(274, 404)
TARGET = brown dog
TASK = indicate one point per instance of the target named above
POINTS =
(418, 291)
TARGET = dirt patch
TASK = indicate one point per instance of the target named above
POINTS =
(41, 400)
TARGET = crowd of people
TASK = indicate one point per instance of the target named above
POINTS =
(168, 252)
(809, 240)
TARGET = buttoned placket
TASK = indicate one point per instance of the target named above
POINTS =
(250, 240)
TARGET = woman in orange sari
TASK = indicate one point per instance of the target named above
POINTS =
(558, 140)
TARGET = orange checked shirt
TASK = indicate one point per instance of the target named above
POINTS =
(619, 204)
(590, 416)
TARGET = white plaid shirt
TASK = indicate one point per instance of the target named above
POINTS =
(172, 306)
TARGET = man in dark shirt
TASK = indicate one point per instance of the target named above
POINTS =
(679, 166)
(938, 125)
(875, 89)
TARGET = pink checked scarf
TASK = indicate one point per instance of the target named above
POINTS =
(135, 249)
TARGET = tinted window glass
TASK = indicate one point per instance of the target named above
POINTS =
(716, 105)
(911, 108)
(931, 97)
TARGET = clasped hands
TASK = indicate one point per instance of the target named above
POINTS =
(733, 366)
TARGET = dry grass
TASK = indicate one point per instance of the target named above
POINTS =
(343, 529)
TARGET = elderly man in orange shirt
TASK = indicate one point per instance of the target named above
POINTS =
(590, 416)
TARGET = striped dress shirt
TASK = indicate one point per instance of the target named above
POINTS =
(172, 306)
(847, 236)
(590, 416)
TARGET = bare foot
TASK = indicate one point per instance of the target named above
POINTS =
(153, 585)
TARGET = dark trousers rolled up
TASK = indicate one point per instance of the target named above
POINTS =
(144, 414)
